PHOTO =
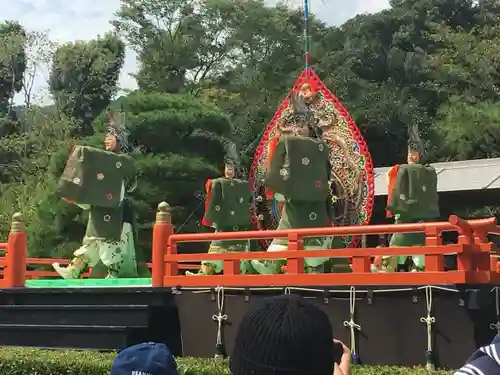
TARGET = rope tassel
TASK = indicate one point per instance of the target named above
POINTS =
(352, 325)
(496, 326)
(429, 320)
(220, 317)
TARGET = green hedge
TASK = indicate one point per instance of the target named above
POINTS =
(23, 361)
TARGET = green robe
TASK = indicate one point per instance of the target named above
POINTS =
(414, 199)
(95, 179)
(299, 169)
(105, 223)
(299, 172)
(140, 258)
(228, 210)
(305, 214)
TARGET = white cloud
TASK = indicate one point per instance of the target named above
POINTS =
(336, 12)
(83, 19)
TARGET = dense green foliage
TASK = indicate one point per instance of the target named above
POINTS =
(84, 77)
(12, 68)
(44, 362)
(215, 72)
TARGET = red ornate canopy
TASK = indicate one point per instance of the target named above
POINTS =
(352, 181)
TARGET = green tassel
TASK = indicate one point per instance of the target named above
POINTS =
(429, 358)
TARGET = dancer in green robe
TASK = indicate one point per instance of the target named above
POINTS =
(299, 175)
(412, 198)
(227, 209)
(96, 180)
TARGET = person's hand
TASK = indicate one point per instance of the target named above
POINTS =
(346, 352)
(344, 367)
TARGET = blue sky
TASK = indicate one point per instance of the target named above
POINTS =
(85, 19)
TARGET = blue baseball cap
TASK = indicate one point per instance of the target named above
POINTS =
(148, 358)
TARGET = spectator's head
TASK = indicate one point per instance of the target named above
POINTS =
(281, 336)
(148, 358)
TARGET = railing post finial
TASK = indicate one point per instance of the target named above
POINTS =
(15, 256)
(161, 233)
(163, 213)
(17, 224)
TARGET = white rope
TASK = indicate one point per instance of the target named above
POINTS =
(220, 316)
(429, 320)
(287, 291)
(340, 291)
(497, 306)
(351, 324)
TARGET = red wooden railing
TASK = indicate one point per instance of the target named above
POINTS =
(476, 263)
(476, 256)
(14, 260)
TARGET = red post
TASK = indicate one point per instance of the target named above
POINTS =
(295, 266)
(162, 230)
(465, 229)
(434, 262)
(15, 258)
(172, 267)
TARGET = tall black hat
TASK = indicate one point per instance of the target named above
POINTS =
(415, 143)
(232, 158)
(300, 112)
(116, 127)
